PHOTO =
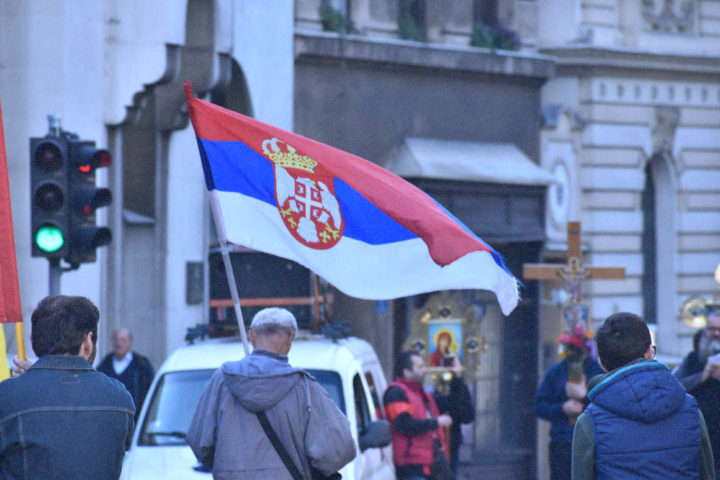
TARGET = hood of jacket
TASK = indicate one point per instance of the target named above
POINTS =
(643, 391)
(260, 380)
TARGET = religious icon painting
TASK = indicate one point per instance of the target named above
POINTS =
(447, 327)
(576, 318)
(445, 340)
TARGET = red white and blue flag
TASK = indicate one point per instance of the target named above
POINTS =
(362, 228)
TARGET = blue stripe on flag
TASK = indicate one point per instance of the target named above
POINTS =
(496, 256)
(237, 168)
(366, 222)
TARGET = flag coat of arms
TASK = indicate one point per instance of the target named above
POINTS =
(362, 228)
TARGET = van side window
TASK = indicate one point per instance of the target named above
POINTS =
(379, 411)
(361, 406)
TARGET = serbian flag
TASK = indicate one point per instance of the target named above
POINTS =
(367, 231)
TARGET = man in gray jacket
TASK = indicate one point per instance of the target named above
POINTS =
(225, 432)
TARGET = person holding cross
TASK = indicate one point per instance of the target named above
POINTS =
(561, 401)
(562, 396)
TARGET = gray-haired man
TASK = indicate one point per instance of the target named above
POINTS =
(225, 432)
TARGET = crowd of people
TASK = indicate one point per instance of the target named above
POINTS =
(635, 418)
(628, 416)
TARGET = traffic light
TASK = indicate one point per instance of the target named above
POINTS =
(85, 236)
(49, 192)
(65, 197)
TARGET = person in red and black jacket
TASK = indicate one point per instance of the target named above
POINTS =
(418, 428)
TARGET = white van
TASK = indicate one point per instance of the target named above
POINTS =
(347, 368)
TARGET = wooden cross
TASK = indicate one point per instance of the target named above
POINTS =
(574, 271)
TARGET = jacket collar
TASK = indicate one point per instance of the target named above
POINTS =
(270, 354)
(414, 386)
(594, 386)
(62, 362)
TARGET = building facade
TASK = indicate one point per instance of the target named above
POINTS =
(631, 134)
(517, 115)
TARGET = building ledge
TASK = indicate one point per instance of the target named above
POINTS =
(309, 44)
(629, 59)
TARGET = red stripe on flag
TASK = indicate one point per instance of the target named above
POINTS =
(403, 202)
(9, 285)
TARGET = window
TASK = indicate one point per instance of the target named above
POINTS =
(174, 401)
(361, 407)
(411, 20)
(172, 407)
(379, 412)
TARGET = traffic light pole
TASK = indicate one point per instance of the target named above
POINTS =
(54, 276)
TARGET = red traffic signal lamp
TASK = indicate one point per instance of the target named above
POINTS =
(85, 197)
(49, 193)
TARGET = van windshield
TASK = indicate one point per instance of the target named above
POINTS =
(173, 403)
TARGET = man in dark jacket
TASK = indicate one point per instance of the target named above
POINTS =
(457, 403)
(225, 432)
(131, 368)
(700, 375)
(561, 402)
(640, 422)
(61, 419)
(417, 425)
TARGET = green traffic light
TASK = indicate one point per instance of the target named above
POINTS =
(49, 238)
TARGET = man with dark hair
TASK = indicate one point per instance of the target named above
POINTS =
(456, 401)
(128, 366)
(700, 375)
(418, 433)
(640, 423)
(61, 419)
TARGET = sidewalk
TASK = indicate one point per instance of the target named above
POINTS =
(492, 472)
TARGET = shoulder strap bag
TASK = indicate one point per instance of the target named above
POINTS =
(285, 457)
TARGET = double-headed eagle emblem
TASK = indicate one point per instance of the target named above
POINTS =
(305, 199)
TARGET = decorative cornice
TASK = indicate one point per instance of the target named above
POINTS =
(579, 56)
(639, 91)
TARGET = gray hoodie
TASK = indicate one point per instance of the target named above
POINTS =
(226, 434)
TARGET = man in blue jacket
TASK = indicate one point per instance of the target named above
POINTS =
(640, 423)
(62, 420)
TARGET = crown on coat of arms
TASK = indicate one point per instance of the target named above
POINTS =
(288, 158)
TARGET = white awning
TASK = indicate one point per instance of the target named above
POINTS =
(466, 161)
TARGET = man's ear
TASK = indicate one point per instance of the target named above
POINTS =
(288, 342)
(649, 353)
(86, 347)
(601, 365)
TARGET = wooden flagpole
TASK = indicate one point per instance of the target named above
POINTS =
(222, 237)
